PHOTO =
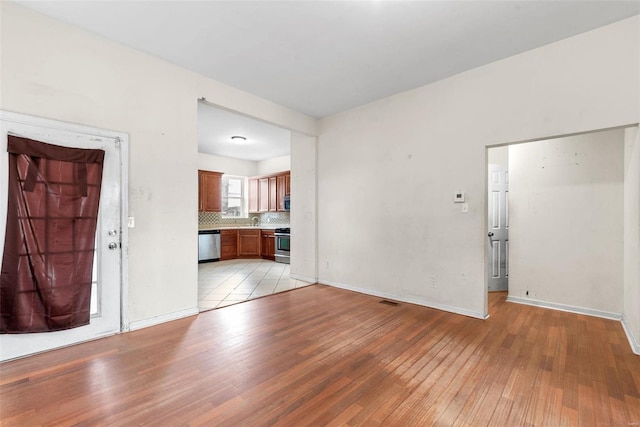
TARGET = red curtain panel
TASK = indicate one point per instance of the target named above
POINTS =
(54, 193)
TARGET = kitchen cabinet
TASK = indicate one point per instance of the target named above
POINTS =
(228, 244)
(283, 189)
(263, 195)
(268, 244)
(266, 193)
(273, 194)
(209, 191)
(253, 195)
(249, 243)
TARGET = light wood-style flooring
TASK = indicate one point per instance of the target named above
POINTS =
(324, 356)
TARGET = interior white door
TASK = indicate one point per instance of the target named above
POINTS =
(107, 286)
(498, 228)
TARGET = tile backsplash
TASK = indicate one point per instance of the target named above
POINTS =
(208, 219)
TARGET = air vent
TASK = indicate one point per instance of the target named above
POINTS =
(387, 302)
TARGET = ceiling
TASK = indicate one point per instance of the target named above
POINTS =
(324, 57)
(216, 127)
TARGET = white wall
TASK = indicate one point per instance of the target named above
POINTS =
(566, 221)
(239, 167)
(276, 164)
(304, 211)
(631, 318)
(498, 155)
(387, 171)
(53, 70)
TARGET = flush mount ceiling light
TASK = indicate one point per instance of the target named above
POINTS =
(238, 139)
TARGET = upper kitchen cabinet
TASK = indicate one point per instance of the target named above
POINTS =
(253, 195)
(266, 193)
(209, 186)
(263, 195)
(273, 194)
(283, 189)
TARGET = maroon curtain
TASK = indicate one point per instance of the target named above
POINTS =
(54, 192)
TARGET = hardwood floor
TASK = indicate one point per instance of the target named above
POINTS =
(325, 356)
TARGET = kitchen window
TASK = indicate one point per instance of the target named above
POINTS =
(233, 196)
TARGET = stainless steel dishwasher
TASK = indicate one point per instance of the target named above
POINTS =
(208, 245)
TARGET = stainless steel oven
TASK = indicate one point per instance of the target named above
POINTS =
(283, 244)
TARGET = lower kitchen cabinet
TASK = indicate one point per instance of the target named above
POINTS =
(249, 243)
(228, 244)
(268, 245)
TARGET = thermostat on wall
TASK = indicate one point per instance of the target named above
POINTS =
(458, 197)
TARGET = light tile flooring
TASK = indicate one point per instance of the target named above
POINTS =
(224, 283)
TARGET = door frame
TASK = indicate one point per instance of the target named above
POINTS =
(123, 139)
(486, 192)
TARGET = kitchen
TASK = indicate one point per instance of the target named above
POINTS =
(244, 196)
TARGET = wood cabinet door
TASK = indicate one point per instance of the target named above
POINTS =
(287, 184)
(200, 192)
(254, 196)
(281, 192)
(263, 195)
(268, 245)
(271, 247)
(263, 244)
(209, 191)
(273, 194)
(248, 243)
(228, 244)
(284, 189)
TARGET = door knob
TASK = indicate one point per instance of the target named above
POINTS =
(490, 234)
(113, 246)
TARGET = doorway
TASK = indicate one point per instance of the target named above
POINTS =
(498, 220)
(111, 237)
(562, 209)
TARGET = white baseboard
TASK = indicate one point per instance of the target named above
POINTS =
(303, 278)
(633, 341)
(411, 300)
(162, 319)
(563, 307)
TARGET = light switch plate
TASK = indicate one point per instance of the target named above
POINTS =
(465, 208)
(131, 222)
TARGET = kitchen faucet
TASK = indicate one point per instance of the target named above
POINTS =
(255, 220)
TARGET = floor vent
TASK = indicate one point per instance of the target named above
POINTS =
(387, 302)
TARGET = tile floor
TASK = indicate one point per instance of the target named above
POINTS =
(224, 283)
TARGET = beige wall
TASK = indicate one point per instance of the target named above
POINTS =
(210, 162)
(53, 70)
(240, 167)
(566, 221)
(387, 171)
(498, 155)
(304, 211)
(276, 164)
(631, 318)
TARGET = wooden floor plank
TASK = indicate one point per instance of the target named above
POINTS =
(325, 356)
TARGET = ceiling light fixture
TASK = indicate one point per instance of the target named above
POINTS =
(238, 138)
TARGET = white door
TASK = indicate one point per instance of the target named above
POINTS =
(498, 235)
(107, 275)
